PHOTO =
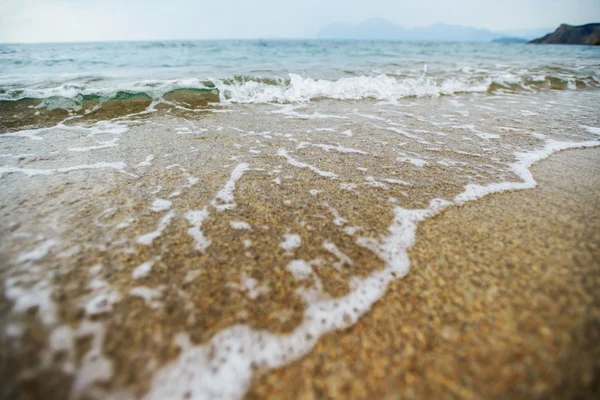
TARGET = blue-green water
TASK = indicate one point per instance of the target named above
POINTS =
(291, 71)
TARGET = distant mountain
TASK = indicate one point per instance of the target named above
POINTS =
(509, 40)
(382, 29)
(568, 34)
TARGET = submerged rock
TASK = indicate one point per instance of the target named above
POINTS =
(193, 97)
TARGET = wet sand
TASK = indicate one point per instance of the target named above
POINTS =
(181, 254)
(502, 301)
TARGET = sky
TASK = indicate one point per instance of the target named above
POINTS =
(102, 20)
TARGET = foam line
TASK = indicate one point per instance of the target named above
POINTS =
(102, 145)
(299, 164)
(521, 169)
(223, 367)
(33, 172)
(148, 238)
(225, 200)
(196, 219)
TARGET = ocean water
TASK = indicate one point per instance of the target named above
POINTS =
(177, 217)
(290, 71)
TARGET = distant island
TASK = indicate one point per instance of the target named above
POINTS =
(382, 29)
(509, 40)
(568, 34)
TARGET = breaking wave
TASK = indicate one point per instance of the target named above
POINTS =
(384, 87)
(294, 89)
(381, 87)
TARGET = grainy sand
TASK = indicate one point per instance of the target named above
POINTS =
(182, 254)
(502, 301)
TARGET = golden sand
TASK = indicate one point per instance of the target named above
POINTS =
(499, 302)
(502, 301)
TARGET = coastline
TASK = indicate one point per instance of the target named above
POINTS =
(508, 278)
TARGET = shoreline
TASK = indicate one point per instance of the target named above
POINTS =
(435, 331)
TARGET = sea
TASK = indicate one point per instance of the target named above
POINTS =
(290, 71)
(179, 217)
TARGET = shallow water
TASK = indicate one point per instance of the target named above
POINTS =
(174, 248)
(281, 71)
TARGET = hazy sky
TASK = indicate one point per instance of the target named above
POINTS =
(92, 20)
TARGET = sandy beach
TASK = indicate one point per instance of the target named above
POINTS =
(313, 200)
(384, 239)
(501, 302)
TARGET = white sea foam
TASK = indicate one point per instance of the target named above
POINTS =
(380, 87)
(37, 253)
(230, 355)
(592, 130)
(190, 180)
(289, 110)
(147, 294)
(290, 242)
(142, 270)
(234, 351)
(478, 133)
(151, 87)
(25, 296)
(225, 200)
(148, 238)
(252, 287)
(521, 169)
(94, 366)
(101, 145)
(417, 162)
(341, 149)
(32, 134)
(484, 135)
(147, 161)
(102, 298)
(295, 89)
(342, 258)
(91, 367)
(159, 205)
(33, 172)
(240, 225)
(102, 127)
(13, 330)
(299, 164)
(528, 113)
(157, 190)
(402, 132)
(396, 181)
(196, 219)
(300, 269)
(371, 181)
(10, 155)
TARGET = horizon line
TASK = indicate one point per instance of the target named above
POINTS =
(251, 39)
(274, 37)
